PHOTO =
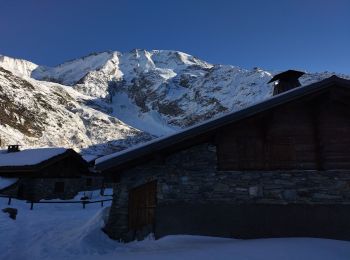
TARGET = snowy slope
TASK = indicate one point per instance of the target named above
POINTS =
(118, 96)
(35, 113)
(66, 231)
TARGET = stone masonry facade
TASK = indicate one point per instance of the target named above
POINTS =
(36, 189)
(191, 176)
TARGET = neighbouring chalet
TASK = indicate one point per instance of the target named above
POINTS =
(275, 169)
(44, 173)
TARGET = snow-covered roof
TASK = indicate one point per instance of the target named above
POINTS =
(89, 157)
(119, 158)
(6, 182)
(29, 157)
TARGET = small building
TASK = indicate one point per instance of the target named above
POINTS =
(279, 168)
(45, 173)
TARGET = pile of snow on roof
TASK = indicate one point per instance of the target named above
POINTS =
(29, 157)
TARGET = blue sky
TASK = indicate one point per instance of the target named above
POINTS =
(313, 35)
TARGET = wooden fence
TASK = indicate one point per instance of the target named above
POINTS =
(83, 202)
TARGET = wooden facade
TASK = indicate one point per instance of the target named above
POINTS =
(311, 133)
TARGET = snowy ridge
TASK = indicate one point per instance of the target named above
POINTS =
(109, 101)
(70, 72)
(21, 68)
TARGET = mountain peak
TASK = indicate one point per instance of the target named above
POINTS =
(70, 72)
(127, 97)
(18, 67)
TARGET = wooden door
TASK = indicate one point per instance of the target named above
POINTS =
(142, 205)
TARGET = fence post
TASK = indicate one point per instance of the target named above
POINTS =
(102, 203)
(83, 204)
(9, 202)
(31, 205)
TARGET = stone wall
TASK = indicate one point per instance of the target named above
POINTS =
(36, 189)
(41, 185)
(191, 177)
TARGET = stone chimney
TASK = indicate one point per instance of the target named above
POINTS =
(286, 81)
(13, 148)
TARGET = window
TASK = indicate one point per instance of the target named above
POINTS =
(59, 187)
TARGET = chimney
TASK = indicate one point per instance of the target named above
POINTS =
(286, 80)
(13, 148)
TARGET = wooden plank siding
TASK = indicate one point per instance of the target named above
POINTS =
(335, 133)
(306, 134)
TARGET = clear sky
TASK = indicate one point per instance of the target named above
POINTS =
(272, 34)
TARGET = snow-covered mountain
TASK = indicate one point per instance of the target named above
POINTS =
(110, 100)
(34, 113)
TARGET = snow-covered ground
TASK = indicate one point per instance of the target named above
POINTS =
(67, 231)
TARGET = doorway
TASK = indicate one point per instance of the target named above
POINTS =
(142, 205)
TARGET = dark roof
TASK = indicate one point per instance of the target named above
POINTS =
(117, 160)
(27, 168)
(286, 75)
